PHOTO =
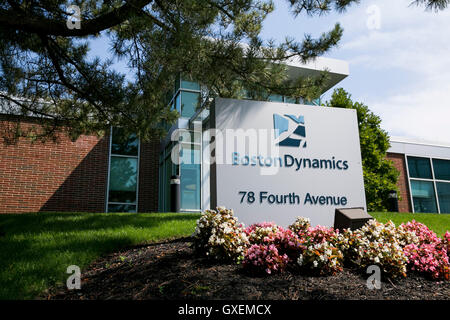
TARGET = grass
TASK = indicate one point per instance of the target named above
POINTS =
(37, 248)
(439, 223)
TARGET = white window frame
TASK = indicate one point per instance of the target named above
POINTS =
(433, 179)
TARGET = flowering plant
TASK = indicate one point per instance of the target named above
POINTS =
(423, 233)
(219, 236)
(264, 258)
(262, 233)
(300, 226)
(446, 242)
(320, 234)
(374, 243)
(321, 258)
(285, 240)
(429, 258)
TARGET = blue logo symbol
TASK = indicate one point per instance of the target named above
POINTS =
(289, 130)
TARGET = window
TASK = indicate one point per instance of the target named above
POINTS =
(430, 186)
(441, 169)
(166, 170)
(189, 103)
(124, 145)
(290, 100)
(276, 98)
(185, 84)
(123, 172)
(423, 196)
(123, 180)
(190, 173)
(187, 97)
(443, 191)
(419, 168)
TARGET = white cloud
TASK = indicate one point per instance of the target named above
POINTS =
(401, 70)
(410, 42)
(423, 114)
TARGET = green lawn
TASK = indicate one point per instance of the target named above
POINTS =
(439, 223)
(37, 248)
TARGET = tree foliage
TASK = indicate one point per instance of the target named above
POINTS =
(380, 175)
(435, 5)
(46, 71)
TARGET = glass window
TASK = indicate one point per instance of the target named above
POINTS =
(124, 145)
(419, 168)
(186, 83)
(191, 85)
(123, 172)
(190, 172)
(161, 187)
(443, 192)
(189, 103)
(441, 169)
(168, 174)
(178, 103)
(276, 98)
(123, 180)
(314, 102)
(121, 208)
(423, 196)
(290, 100)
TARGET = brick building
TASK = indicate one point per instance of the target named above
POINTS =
(114, 173)
(73, 176)
(424, 180)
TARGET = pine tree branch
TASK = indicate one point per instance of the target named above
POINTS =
(12, 19)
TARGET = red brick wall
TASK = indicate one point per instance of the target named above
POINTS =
(404, 205)
(148, 177)
(63, 176)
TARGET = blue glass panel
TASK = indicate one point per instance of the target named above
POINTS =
(124, 145)
(290, 100)
(191, 85)
(443, 191)
(178, 103)
(314, 102)
(276, 98)
(167, 175)
(190, 177)
(123, 180)
(441, 169)
(423, 196)
(189, 103)
(161, 187)
(419, 167)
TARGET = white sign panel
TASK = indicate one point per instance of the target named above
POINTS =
(276, 161)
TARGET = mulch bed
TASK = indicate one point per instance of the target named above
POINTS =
(170, 270)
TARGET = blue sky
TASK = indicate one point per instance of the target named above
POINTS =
(399, 57)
